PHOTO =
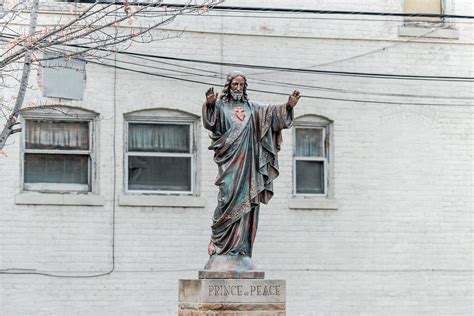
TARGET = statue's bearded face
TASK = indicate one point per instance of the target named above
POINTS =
(237, 88)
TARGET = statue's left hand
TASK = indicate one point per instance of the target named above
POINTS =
(293, 99)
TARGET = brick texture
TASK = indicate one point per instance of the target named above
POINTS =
(401, 241)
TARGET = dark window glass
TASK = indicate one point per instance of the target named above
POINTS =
(46, 168)
(159, 173)
(309, 177)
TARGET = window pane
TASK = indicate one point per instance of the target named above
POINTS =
(309, 142)
(159, 173)
(44, 168)
(310, 177)
(168, 138)
(57, 135)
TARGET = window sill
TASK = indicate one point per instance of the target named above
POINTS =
(37, 198)
(162, 201)
(423, 32)
(315, 203)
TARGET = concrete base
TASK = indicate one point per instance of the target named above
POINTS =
(232, 297)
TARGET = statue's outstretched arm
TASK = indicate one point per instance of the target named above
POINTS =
(209, 113)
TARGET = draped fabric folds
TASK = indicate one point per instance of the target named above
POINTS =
(57, 135)
(158, 138)
(246, 138)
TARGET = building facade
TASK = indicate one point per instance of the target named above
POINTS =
(108, 192)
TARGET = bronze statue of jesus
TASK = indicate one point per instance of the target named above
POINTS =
(246, 138)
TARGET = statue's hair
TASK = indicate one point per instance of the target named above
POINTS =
(225, 96)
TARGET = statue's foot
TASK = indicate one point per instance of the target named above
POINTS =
(211, 249)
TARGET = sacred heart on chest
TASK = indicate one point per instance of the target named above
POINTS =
(239, 113)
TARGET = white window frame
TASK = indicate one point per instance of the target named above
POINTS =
(191, 154)
(53, 116)
(325, 133)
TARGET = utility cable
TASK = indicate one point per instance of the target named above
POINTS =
(293, 85)
(279, 93)
(328, 12)
(218, 75)
(298, 70)
(251, 15)
(303, 70)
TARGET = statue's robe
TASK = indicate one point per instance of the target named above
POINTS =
(245, 143)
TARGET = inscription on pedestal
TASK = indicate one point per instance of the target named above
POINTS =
(232, 291)
(240, 290)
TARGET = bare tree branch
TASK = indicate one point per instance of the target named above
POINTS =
(12, 119)
(90, 31)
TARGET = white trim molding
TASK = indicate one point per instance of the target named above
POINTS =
(37, 198)
(162, 201)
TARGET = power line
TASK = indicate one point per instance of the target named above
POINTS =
(218, 75)
(282, 83)
(329, 12)
(303, 70)
(166, 6)
(266, 91)
(298, 70)
(277, 93)
(293, 17)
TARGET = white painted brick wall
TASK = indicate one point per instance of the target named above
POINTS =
(401, 242)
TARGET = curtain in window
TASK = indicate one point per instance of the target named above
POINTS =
(309, 142)
(57, 135)
(166, 138)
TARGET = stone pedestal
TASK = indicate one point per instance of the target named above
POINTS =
(231, 297)
(231, 286)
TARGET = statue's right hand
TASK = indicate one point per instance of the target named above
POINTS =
(211, 97)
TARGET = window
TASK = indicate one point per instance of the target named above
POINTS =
(58, 153)
(160, 156)
(423, 6)
(63, 78)
(311, 157)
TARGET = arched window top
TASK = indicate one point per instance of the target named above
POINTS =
(309, 119)
(161, 114)
(57, 111)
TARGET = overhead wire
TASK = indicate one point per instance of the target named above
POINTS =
(322, 12)
(174, 77)
(314, 71)
(293, 17)
(301, 70)
(278, 93)
(298, 70)
(219, 75)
